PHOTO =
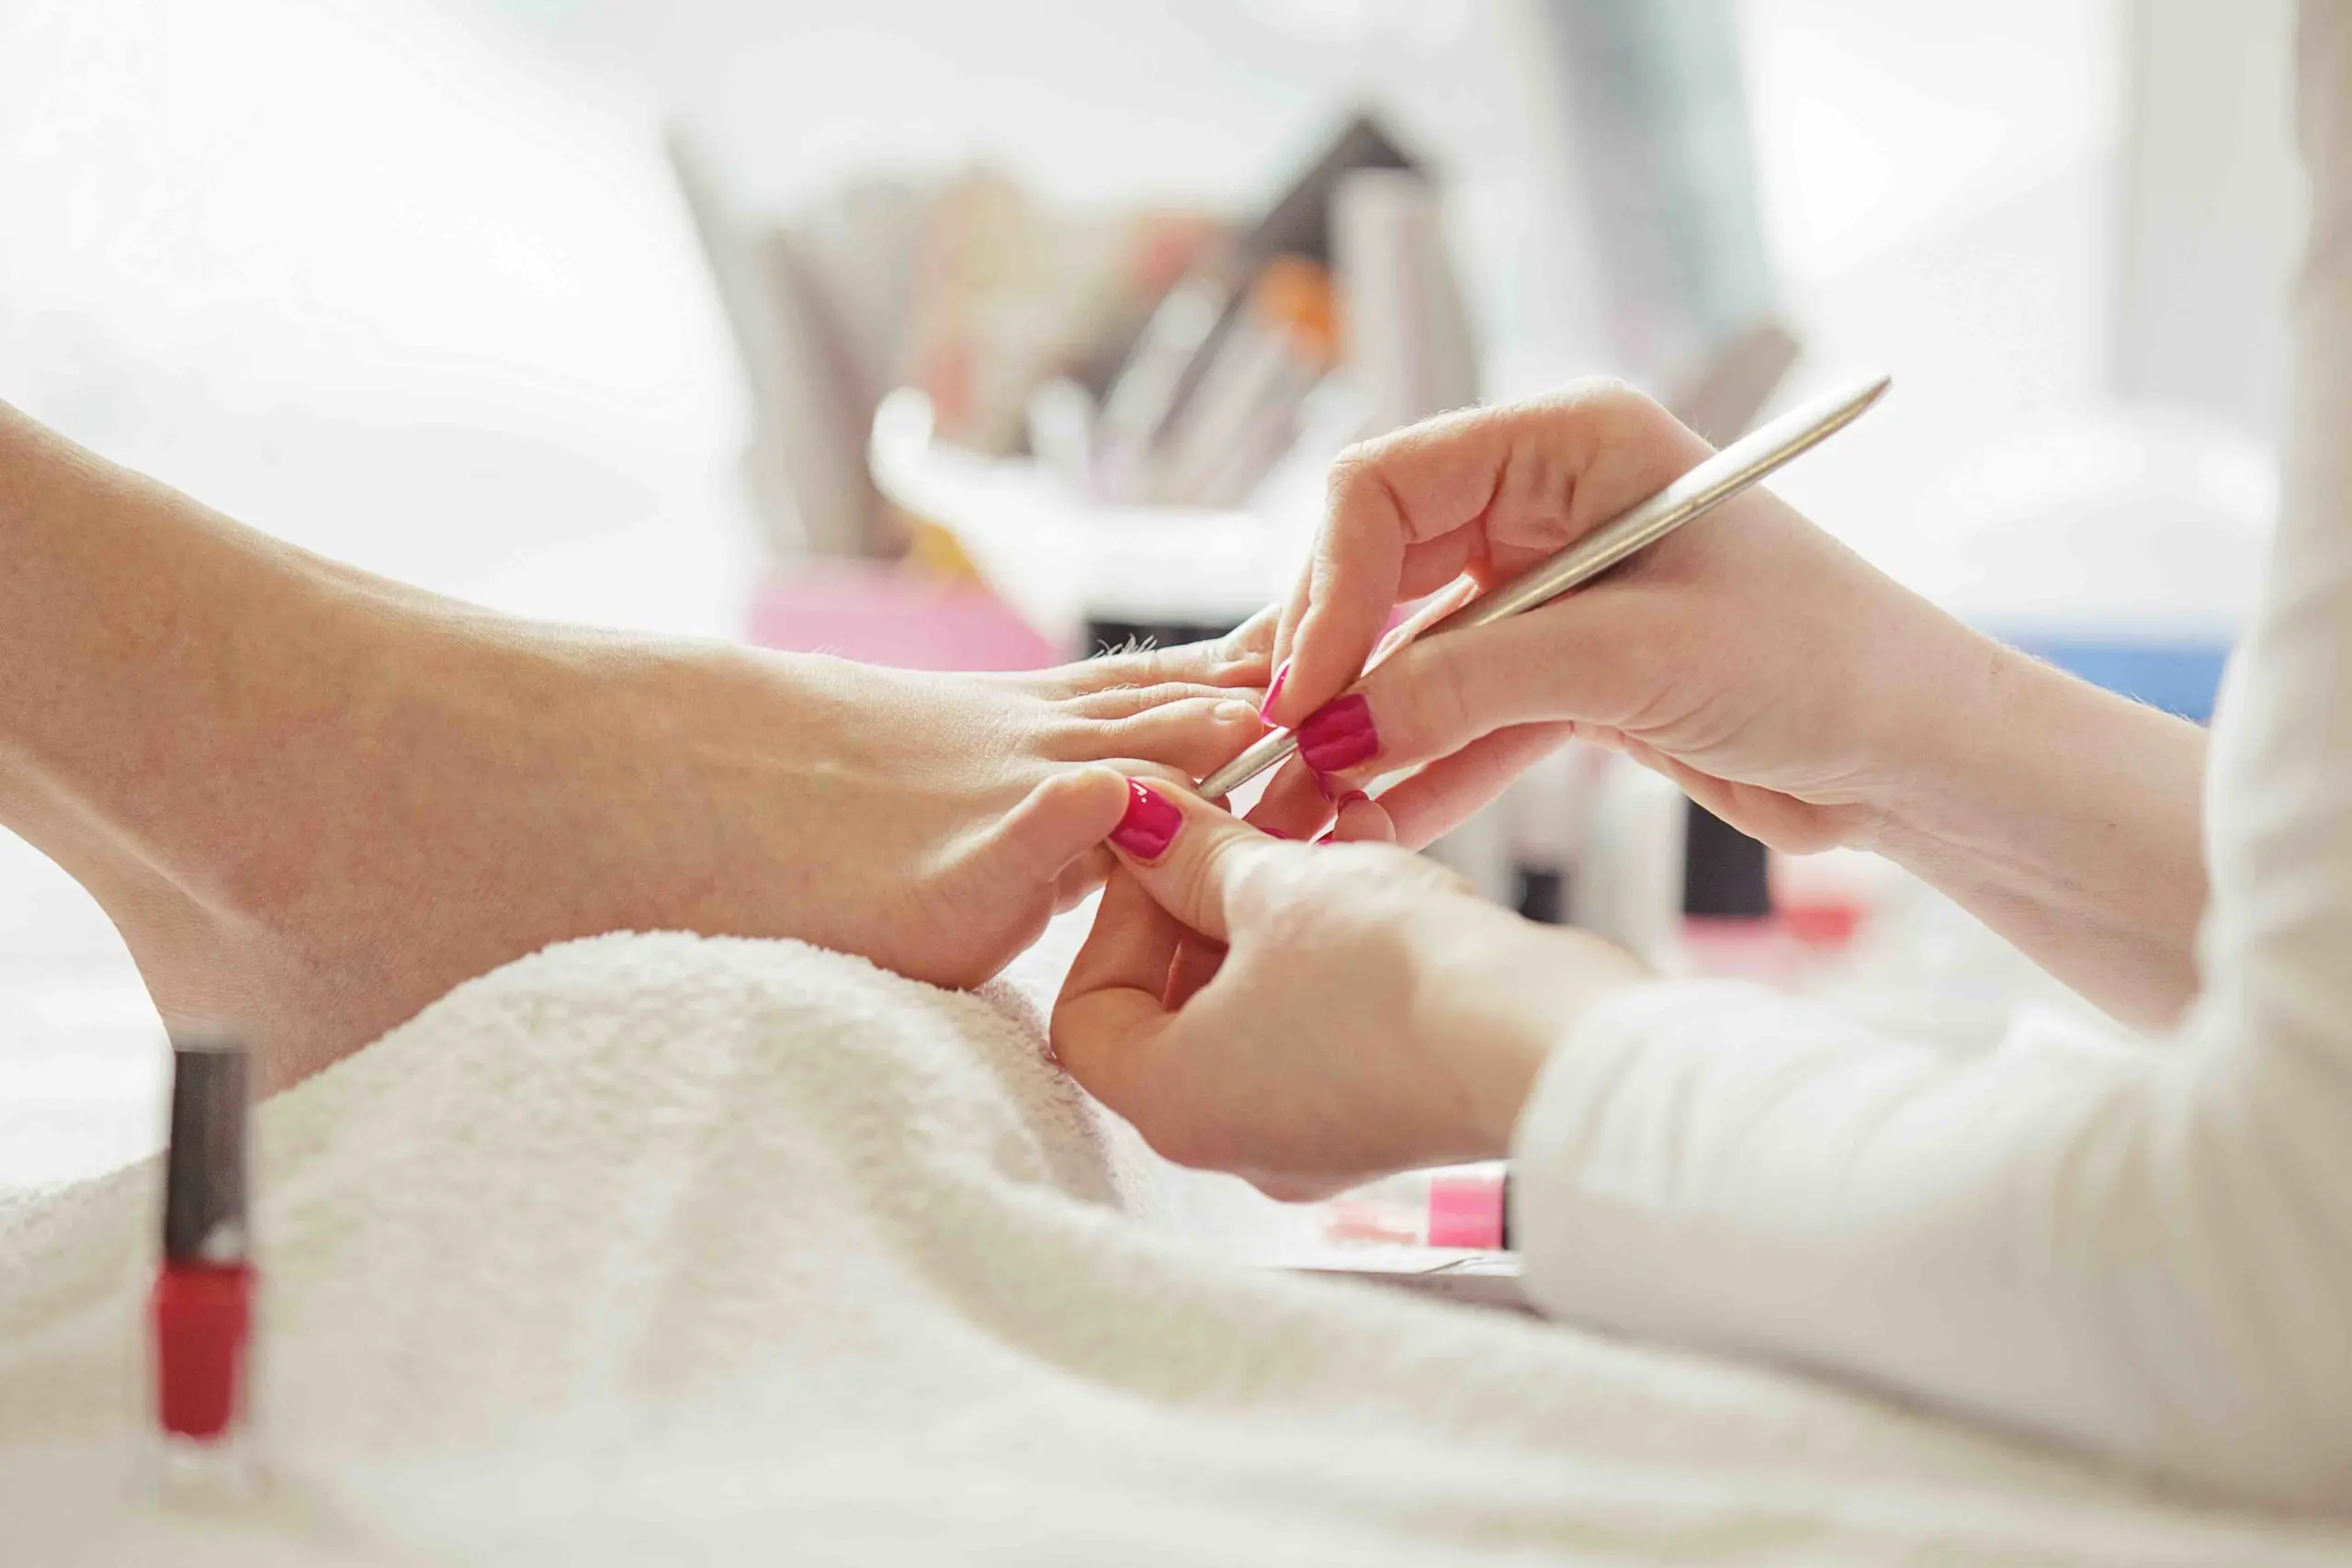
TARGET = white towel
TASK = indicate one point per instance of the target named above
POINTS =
(657, 1249)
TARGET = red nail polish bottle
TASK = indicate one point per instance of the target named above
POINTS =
(201, 1311)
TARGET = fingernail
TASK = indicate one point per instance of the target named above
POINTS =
(1273, 690)
(1275, 833)
(1339, 735)
(1330, 838)
(1150, 824)
(1351, 798)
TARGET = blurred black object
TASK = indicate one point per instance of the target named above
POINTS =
(1723, 869)
(1112, 635)
(1164, 368)
(1542, 894)
(1299, 223)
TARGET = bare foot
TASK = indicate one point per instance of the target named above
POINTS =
(312, 800)
(497, 788)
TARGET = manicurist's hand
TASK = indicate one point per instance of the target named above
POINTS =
(1782, 682)
(1371, 1014)
(1767, 668)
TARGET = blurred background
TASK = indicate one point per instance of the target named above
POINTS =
(977, 336)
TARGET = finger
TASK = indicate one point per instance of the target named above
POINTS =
(1189, 855)
(1362, 820)
(1352, 578)
(1130, 945)
(1081, 877)
(1197, 962)
(1293, 804)
(1447, 793)
(1431, 565)
(1599, 656)
(1285, 633)
(1107, 1023)
(1524, 480)
(1432, 608)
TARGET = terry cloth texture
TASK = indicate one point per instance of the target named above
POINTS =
(658, 1249)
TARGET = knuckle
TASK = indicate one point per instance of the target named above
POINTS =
(1623, 413)
(1607, 409)
(1435, 700)
(1355, 479)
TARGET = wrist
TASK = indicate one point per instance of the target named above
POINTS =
(2069, 823)
(1516, 990)
(1985, 737)
(1938, 709)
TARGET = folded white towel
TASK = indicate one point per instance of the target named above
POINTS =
(657, 1249)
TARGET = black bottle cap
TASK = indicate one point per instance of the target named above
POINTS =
(204, 1167)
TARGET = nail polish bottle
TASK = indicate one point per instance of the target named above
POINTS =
(201, 1312)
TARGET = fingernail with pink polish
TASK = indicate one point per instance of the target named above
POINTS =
(1339, 735)
(1150, 824)
(1351, 798)
(1273, 690)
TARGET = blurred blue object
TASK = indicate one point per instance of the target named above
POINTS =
(2124, 545)
(2180, 677)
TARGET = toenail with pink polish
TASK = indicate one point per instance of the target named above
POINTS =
(1236, 713)
(1273, 690)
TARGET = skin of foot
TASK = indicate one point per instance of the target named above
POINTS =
(312, 801)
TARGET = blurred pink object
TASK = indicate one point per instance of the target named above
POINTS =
(879, 614)
(1453, 1207)
(1467, 1211)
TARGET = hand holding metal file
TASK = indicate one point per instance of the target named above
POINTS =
(1697, 493)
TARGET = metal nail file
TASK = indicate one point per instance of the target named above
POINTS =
(1644, 523)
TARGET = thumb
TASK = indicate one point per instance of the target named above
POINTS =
(1187, 855)
(1594, 658)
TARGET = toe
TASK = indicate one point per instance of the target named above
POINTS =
(1242, 658)
(1195, 736)
(1125, 702)
(1060, 821)
(1052, 842)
